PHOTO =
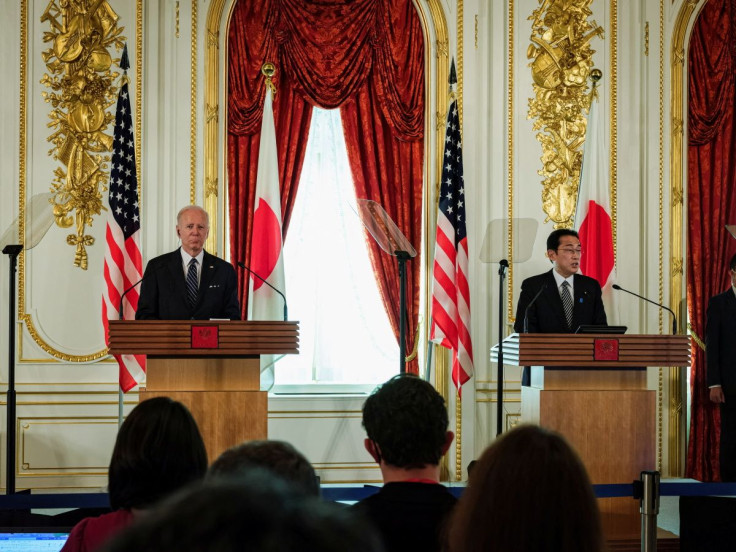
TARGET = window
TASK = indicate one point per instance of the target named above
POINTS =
(345, 335)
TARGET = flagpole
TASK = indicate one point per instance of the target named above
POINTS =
(502, 266)
(12, 251)
(402, 257)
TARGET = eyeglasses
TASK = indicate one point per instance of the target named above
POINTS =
(571, 250)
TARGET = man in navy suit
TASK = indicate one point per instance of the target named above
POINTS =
(189, 283)
(547, 314)
(720, 350)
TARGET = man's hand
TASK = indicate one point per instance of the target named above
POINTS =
(716, 394)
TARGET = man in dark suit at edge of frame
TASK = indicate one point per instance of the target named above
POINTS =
(720, 350)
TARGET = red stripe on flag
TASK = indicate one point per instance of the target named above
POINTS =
(595, 232)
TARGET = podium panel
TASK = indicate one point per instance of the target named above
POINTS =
(213, 367)
(225, 418)
(601, 406)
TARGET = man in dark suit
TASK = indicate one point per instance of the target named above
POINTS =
(548, 313)
(189, 283)
(720, 349)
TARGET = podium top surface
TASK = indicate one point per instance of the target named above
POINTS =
(539, 349)
(186, 338)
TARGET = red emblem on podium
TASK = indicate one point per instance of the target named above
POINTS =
(606, 349)
(205, 337)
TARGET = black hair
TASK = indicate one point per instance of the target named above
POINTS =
(407, 419)
(553, 240)
(257, 512)
(277, 457)
(158, 450)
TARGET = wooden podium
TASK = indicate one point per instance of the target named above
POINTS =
(592, 388)
(213, 367)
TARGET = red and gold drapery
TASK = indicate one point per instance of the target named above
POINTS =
(365, 57)
(711, 204)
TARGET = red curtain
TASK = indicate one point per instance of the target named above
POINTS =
(365, 56)
(711, 204)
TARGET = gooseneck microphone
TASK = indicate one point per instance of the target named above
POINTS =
(526, 310)
(120, 310)
(242, 265)
(674, 317)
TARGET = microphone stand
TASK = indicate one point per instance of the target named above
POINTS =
(242, 265)
(674, 316)
(402, 257)
(502, 266)
(12, 251)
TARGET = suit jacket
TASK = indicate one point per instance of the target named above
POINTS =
(409, 516)
(547, 314)
(164, 293)
(720, 342)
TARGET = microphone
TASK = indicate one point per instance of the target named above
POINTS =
(241, 264)
(526, 310)
(120, 310)
(674, 317)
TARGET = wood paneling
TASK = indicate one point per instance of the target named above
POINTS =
(225, 418)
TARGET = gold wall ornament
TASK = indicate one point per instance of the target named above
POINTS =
(82, 84)
(561, 63)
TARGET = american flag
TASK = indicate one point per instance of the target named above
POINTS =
(451, 293)
(123, 263)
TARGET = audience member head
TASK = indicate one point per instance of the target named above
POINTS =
(256, 511)
(529, 491)
(158, 450)
(406, 422)
(277, 457)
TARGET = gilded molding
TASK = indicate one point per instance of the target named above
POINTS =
(677, 213)
(677, 266)
(193, 121)
(82, 89)
(460, 59)
(677, 125)
(210, 188)
(213, 39)
(23, 80)
(460, 71)
(213, 78)
(660, 256)
(138, 96)
(443, 48)
(212, 113)
(561, 61)
(510, 160)
(613, 95)
(25, 318)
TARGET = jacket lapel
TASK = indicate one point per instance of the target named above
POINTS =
(208, 271)
(581, 297)
(176, 273)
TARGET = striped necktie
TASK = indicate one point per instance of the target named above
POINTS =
(566, 301)
(192, 284)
